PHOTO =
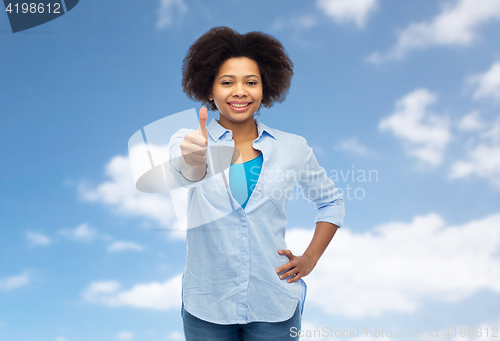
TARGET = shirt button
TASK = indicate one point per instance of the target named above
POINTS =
(258, 188)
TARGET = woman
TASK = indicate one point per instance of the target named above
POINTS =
(240, 281)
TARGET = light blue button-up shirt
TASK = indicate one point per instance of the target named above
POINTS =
(231, 258)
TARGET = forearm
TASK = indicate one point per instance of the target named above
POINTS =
(323, 234)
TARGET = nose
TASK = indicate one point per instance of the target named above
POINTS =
(239, 90)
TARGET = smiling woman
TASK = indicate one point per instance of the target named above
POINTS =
(240, 281)
(237, 89)
(212, 49)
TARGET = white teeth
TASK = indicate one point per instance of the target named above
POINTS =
(239, 105)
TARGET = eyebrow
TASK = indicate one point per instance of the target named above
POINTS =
(231, 76)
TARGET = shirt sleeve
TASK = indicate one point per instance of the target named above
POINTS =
(321, 190)
(175, 160)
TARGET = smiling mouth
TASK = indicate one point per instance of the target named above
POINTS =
(239, 105)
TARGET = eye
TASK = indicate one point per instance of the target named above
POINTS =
(252, 83)
(226, 83)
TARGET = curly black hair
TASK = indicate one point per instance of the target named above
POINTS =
(208, 52)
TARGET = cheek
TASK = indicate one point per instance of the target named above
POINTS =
(219, 99)
(257, 95)
(222, 96)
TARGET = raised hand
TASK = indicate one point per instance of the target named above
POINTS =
(194, 149)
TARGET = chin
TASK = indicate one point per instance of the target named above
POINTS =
(239, 116)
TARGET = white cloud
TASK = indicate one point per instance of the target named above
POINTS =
(352, 145)
(99, 288)
(397, 266)
(345, 11)
(482, 161)
(125, 336)
(82, 233)
(14, 282)
(175, 336)
(124, 246)
(471, 121)
(36, 238)
(493, 134)
(154, 295)
(482, 158)
(424, 134)
(488, 83)
(169, 10)
(61, 338)
(315, 332)
(456, 25)
(120, 194)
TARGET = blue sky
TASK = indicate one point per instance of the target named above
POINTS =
(409, 90)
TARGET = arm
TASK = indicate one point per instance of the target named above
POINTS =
(323, 234)
(301, 266)
(319, 189)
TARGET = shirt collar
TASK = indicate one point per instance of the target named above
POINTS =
(216, 130)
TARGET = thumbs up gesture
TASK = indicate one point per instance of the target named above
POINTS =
(194, 148)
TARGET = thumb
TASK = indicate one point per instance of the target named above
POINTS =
(202, 129)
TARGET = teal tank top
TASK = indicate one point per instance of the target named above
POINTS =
(243, 178)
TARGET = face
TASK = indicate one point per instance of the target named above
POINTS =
(237, 89)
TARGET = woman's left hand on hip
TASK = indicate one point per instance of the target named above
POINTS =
(300, 266)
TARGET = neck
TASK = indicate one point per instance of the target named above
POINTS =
(242, 131)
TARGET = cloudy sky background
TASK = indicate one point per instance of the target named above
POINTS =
(407, 92)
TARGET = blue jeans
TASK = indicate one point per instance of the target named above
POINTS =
(200, 330)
